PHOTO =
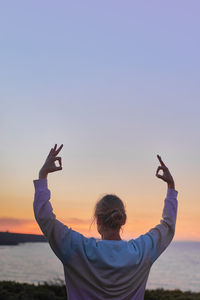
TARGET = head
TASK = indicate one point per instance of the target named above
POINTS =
(109, 214)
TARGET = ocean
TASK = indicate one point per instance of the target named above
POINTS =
(177, 268)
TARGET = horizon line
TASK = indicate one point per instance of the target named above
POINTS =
(174, 240)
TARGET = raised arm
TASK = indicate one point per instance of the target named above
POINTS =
(159, 237)
(60, 237)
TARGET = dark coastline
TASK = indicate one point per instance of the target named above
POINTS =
(10, 238)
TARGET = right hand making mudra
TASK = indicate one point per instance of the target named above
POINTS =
(50, 163)
(166, 176)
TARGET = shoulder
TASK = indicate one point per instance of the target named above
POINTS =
(79, 241)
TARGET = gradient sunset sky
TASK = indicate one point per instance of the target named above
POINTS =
(116, 82)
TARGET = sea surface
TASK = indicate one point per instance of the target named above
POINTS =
(177, 268)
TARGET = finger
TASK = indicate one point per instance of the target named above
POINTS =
(50, 151)
(160, 176)
(158, 169)
(58, 168)
(55, 169)
(160, 160)
(55, 147)
(58, 150)
(59, 159)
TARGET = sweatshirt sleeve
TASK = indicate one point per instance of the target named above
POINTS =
(158, 238)
(61, 238)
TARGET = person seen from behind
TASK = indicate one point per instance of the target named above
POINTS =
(110, 268)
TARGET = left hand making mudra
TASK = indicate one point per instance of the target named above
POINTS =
(50, 163)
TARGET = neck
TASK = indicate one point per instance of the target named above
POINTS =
(111, 235)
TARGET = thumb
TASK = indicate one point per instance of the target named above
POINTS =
(159, 176)
(58, 168)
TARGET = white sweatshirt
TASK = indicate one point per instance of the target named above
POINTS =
(105, 269)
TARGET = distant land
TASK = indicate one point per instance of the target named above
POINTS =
(10, 238)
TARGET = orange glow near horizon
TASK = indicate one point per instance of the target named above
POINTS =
(74, 207)
(129, 231)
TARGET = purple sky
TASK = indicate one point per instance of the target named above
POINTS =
(116, 82)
